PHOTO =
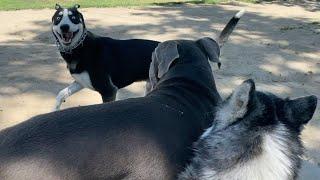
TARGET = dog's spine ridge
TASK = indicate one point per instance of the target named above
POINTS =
(224, 35)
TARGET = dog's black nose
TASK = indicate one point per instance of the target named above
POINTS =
(65, 28)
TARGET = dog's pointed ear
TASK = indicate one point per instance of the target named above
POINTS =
(241, 97)
(164, 56)
(211, 48)
(57, 7)
(76, 6)
(301, 110)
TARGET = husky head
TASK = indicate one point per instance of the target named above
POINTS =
(254, 135)
(264, 110)
(68, 25)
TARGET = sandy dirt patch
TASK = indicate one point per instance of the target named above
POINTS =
(275, 44)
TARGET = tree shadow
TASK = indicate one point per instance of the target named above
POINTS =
(309, 5)
(174, 3)
(280, 53)
(255, 32)
(271, 46)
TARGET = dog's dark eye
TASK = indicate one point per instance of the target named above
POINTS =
(58, 18)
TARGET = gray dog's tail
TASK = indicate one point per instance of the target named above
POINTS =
(224, 35)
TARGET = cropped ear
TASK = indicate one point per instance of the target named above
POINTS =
(58, 7)
(153, 71)
(76, 6)
(240, 98)
(301, 110)
(164, 55)
(211, 48)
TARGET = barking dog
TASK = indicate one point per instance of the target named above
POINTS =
(98, 63)
(254, 135)
(146, 138)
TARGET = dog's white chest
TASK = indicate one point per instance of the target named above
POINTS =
(272, 164)
(83, 79)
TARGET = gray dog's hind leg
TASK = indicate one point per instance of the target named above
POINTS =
(66, 92)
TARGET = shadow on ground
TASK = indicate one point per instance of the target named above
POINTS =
(309, 5)
(273, 43)
(280, 53)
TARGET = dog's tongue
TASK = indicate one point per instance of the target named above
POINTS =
(67, 37)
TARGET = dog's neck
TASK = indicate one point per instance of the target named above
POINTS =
(194, 74)
(234, 159)
(68, 49)
(273, 163)
(196, 83)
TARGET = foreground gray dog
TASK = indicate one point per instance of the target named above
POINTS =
(254, 136)
(145, 138)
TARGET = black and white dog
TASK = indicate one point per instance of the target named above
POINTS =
(146, 138)
(254, 135)
(99, 63)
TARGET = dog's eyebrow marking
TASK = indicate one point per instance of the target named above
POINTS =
(69, 12)
(61, 13)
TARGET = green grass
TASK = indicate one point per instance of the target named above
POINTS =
(40, 4)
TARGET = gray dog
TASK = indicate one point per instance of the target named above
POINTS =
(145, 138)
(254, 136)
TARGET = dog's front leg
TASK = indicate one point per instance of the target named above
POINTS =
(108, 93)
(66, 92)
(107, 89)
(148, 87)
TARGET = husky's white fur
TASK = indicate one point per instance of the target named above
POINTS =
(272, 164)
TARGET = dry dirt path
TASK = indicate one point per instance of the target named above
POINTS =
(277, 45)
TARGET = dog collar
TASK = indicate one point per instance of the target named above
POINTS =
(69, 49)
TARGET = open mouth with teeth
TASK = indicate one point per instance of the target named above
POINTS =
(67, 37)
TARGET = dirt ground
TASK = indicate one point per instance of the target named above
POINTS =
(278, 45)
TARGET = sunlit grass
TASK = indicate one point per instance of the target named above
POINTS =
(40, 4)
